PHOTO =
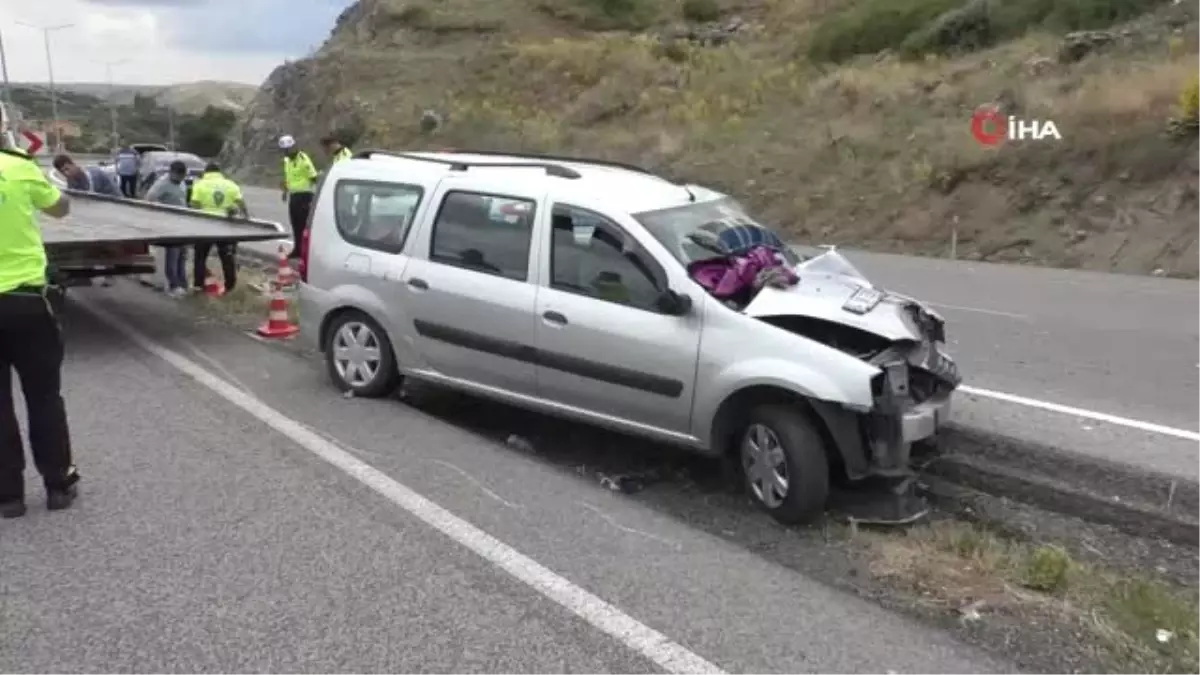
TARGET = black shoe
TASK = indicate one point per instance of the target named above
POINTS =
(61, 498)
(13, 509)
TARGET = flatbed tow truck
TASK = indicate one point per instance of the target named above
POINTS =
(110, 236)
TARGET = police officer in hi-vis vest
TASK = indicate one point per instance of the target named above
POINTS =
(299, 181)
(31, 341)
(335, 150)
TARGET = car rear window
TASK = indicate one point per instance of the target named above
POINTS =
(484, 233)
(375, 215)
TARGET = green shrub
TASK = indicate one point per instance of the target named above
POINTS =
(701, 11)
(918, 27)
(602, 15)
(965, 28)
(1189, 101)
(1047, 569)
(872, 26)
(619, 13)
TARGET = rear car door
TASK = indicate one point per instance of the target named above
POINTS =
(603, 346)
(374, 219)
(469, 294)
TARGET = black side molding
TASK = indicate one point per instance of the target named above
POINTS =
(593, 370)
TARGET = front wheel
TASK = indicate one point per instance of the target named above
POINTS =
(359, 357)
(784, 463)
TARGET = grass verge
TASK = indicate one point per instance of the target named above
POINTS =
(246, 305)
(1137, 624)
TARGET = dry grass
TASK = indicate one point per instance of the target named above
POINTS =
(962, 568)
(246, 305)
(875, 153)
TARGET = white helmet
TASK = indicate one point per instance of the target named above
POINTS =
(286, 142)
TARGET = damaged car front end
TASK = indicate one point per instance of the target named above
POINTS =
(836, 305)
(846, 376)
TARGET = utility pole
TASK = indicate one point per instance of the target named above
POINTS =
(171, 128)
(112, 102)
(4, 68)
(8, 114)
(46, 30)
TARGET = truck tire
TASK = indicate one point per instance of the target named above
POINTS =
(359, 356)
(784, 465)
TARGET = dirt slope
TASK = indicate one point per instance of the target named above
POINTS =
(832, 127)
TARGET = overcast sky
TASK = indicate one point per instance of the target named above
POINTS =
(167, 41)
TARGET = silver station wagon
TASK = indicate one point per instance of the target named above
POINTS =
(604, 293)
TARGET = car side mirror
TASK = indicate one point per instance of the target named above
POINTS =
(674, 304)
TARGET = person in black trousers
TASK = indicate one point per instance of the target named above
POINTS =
(299, 181)
(226, 253)
(30, 340)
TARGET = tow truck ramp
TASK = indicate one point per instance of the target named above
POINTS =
(105, 235)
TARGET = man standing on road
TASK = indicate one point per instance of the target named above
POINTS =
(173, 192)
(30, 340)
(334, 150)
(89, 179)
(127, 170)
(214, 193)
(299, 179)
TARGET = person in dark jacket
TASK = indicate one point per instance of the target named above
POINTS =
(87, 179)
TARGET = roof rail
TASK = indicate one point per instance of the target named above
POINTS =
(558, 158)
(556, 170)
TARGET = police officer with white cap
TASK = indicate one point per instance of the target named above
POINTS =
(30, 339)
(299, 181)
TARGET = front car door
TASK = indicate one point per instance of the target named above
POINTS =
(603, 346)
(468, 287)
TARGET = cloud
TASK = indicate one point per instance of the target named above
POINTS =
(164, 41)
(291, 26)
(251, 26)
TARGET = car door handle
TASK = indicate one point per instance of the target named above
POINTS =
(418, 284)
(555, 317)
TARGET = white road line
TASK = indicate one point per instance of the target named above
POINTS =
(667, 654)
(977, 310)
(1080, 412)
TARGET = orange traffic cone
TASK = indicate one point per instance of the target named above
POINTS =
(285, 277)
(212, 287)
(277, 324)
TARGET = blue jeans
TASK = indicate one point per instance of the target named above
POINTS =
(175, 267)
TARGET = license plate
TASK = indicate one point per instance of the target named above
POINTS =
(864, 300)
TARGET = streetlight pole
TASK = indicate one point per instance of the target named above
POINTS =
(112, 103)
(4, 68)
(46, 30)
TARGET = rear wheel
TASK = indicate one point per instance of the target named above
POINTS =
(784, 463)
(359, 357)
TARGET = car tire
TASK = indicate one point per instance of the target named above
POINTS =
(364, 338)
(784, 465)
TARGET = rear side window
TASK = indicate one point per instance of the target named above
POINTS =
(485, 233)
(375, 215)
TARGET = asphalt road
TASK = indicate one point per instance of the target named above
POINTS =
(1103, 343)
(219, 531)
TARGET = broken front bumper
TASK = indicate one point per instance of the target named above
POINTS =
(912, 403)
(923, 420)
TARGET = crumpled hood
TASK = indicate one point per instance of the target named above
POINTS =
(829, 284)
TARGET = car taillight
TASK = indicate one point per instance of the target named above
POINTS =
(304, 239)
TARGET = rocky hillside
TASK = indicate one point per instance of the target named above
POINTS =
(844, 122)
